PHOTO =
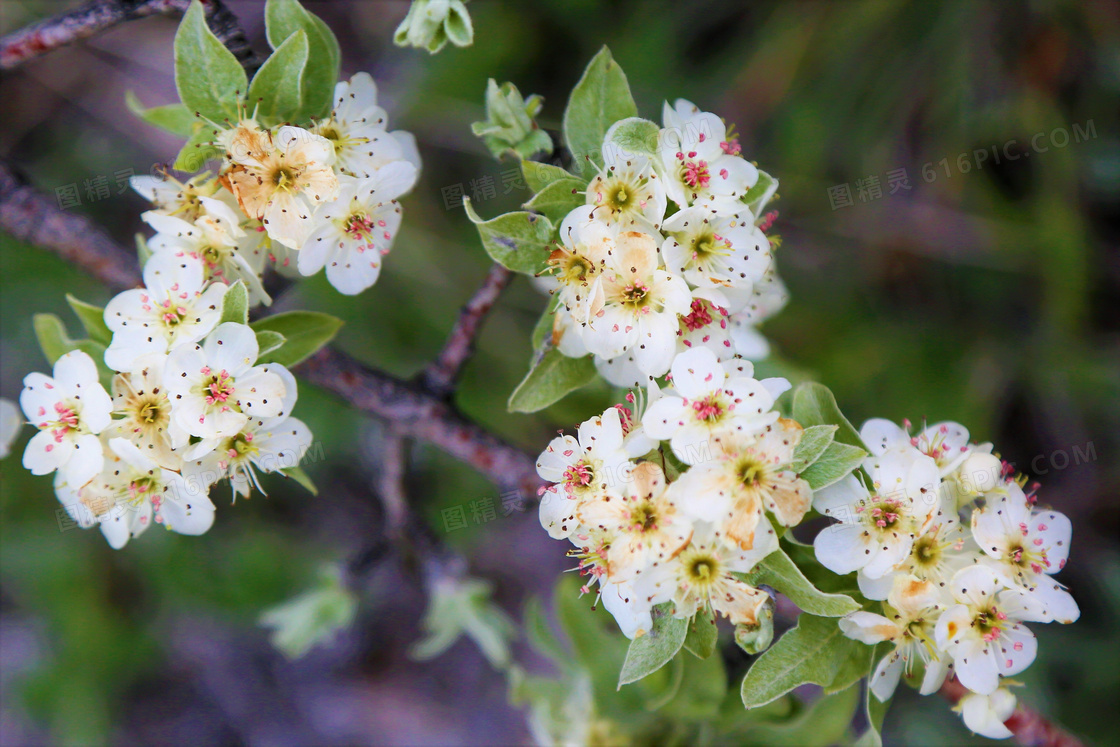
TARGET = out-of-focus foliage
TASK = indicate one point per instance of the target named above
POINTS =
(988, 296)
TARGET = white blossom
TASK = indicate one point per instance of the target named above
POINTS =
(131, 493)
(280, 178)
(355, 230)
(705, 401)
(266, 444)
(591, 465)
(141, 398)
(644, 523)
(697, 159)
(986, 714)
(702, 575)
(175, 306)
(983, 631)
(915, 607)
(1028, 547)
(215, 387)
(627, 192)
(635, 305)
(69, 408)
(878, 523)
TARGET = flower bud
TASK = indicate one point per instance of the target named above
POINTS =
(754, 639)
(979, 474)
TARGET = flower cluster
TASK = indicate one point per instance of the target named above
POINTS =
(668, 253)
(678, 525)
(941, 532)
(189, 406)
(297, 198)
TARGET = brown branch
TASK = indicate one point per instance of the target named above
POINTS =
(1031, 728)
(36, 219)
(443, 373)
(99, 15)
(417, 412)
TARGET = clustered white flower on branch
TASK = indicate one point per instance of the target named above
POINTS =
(299, 199)
(961, 557)
(667, 254)
(654, 249)
(676, 525)
(174, 390)
(653, 243)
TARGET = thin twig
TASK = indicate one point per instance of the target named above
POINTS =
(97, 16)
(393, 465)
(442, 374)
(1031, 728)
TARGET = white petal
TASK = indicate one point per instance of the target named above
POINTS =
(44, 455)
(85, 462)
(869, 628)
(880, 434)
(231, 347)
(887, 674)
(841, 548)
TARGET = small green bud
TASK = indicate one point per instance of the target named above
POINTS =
(509, 124)
(430, 24)
(754, 639)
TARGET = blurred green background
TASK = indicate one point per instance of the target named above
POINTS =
(987, 293)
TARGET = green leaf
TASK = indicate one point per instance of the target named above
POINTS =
(758, 196)
(517, 241)
(276, 92)
(813, 652)
(814, 440)
(837, 461)
(312, 617)
(655, 649)
(542, 332)
(814, 404)
(463, 607)
(823, 723)
(209, 78)
(143, 253)
(267, 341)
(540, 175)
(701, 692)
(779, 571)
(297, 474)
(600, 98)
(283, 18)
(558, 199)
(702, 633)
(92, 319)
(304, 332)
(549, 380)
(634, 135)
(198, 149)
(175, 118)
(235, 304)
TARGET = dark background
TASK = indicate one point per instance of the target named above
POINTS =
(990, 297)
